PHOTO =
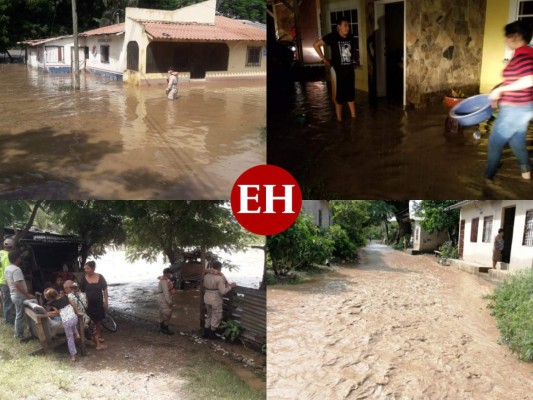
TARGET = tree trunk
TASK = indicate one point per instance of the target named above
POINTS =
(29, 224)
(84, 253)
(203, 309)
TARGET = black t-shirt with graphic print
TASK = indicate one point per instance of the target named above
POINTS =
(342, 49)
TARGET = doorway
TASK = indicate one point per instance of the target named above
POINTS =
(508, 227)
(390, 49)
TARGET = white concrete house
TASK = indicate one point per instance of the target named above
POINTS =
(425, 241)
(193, 40)
(319, 211)
(479, 224)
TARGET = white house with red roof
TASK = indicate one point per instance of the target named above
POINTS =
(193, 40)
(479, 224)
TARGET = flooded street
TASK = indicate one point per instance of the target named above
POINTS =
(386, 152)
(394, 326)
(116, 141)
(133, 286)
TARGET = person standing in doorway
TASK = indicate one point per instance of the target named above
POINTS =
(497, 248)
(172, 86)
(7, 304)
(515, 101)
(19, 291)
(342, 44)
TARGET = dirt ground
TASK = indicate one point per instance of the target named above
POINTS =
(140, 362)
(394, 326)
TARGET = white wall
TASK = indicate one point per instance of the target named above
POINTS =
(202, 13)
(424, 241)
(481, 253)
(116, 55)
(313, 209)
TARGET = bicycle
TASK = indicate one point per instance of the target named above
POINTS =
(109, 323)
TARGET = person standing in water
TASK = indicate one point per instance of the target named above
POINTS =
(172, 86)
(515, 101)
(342, 44)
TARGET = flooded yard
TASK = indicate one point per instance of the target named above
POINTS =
(394, 326)
(116, 141)
(387, 152)
(133, 286)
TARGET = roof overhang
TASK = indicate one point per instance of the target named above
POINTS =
(460, 205)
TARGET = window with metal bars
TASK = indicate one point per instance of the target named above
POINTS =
(473, 230)
(528, 229)
(487, 229)
(253, 58)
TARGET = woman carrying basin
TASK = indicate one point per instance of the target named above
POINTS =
(515, 101)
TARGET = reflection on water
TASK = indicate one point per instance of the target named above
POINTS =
(387, 152)
(133, 286)
(111, 140)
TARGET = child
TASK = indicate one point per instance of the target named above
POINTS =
(72, 290)
(69, 316)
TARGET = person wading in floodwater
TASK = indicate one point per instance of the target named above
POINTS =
(172, 86)
(515, 101)
(342, 65)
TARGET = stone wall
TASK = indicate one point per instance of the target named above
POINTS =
(444, 48)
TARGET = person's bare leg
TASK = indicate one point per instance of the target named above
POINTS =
(338, 111)
(338, 107)
(351, 105)
(494, 264)
(99, 346)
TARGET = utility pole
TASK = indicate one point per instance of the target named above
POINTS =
(76, 62)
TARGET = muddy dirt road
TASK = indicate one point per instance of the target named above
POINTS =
(394, 326)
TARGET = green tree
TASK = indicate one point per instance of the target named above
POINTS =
(380, 214)
(252, 10)
(19, 214)
(167, 227)
(353, 216)
(400, 209)
(437, 218)
(298, 246)
(96, 223)
(344, 248)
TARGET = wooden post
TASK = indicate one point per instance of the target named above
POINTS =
(76, 62)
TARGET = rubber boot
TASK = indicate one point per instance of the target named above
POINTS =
(213, 335)
(207, 334)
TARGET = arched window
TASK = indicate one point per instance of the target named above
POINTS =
(133, 56)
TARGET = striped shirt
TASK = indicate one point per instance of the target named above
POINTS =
(520, 65)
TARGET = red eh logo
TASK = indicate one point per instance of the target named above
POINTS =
(266, 199)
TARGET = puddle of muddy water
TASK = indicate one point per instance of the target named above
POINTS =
(116, 141)
(386, 152)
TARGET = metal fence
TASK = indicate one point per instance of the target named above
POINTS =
(248, 307)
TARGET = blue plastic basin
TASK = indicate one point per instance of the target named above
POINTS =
(472, 111)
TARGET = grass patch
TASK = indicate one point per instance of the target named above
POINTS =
(31, 377)
(512, 306)
(297, 276)
(212, 380)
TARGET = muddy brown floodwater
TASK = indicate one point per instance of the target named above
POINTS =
(394, 326)
(116, 141)
(387, 152)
